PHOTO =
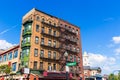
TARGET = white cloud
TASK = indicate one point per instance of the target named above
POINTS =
(5, 45)
(117, 51)
(106, 63)
(116, 39)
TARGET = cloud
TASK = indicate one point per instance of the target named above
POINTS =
(6, 30)
(5, 45)
(106, 63)
(109, 19)
(116, 39)
(117, 51)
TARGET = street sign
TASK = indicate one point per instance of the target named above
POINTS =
(71, 64)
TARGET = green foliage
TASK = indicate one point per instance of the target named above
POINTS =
(114, 77)
(5, 69)
(111, 77)
(119, 76)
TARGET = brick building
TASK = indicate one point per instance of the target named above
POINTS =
(44, 40)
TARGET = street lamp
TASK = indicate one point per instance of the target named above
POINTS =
(66, 56)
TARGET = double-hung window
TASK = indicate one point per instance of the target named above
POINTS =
(42, 53)
(35, 52)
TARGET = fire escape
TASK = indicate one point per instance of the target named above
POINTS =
(68, 42)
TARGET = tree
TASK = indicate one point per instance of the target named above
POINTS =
(111, 77)
(119, 76)
(5, 69)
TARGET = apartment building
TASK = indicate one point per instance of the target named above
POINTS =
(10, 57)
(43, 42)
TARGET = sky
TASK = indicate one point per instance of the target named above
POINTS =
(99, 22)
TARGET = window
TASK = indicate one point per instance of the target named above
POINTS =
(25, 52)
(42, 53)
(54, 33)
(54, 44)
(27, 27)
(74, 58)
(35, 52)
(4, 57)
(54, 24)
(41, 65)
(73, 30)
(50, 31)
(78, 50)
(36, 40)
(15, 54)
(35, 65)
(42, 30)
(14, 66)
(37, 18)
(43, 19)
(77, 32)
(0, 58)
(49, 54)
(37, 28)
(78, 60)
(49, 67)
(71, 57)
(54, 66)
(42, 40)
(74, 49)
(26, 39)
(49, 43)
(49, 22)
(54, 55)
(10, 56)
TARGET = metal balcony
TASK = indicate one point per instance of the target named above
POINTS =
(49, 46)
(49, 24)
(28, 32)
(25, 44)
(49, 35)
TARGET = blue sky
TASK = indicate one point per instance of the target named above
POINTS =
(99, 21)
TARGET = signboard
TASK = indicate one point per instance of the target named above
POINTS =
(67, 68)
(71, 64)
(26, 70)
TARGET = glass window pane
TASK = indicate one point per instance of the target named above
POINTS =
(15, 54)
(14, 66)
(36, 52)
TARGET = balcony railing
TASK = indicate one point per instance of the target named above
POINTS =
(69, 30)
(28, 32)
(49, 35)
(49, 24)
(69, 39)
(49, 46)
(27, 44)
(49, 58)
